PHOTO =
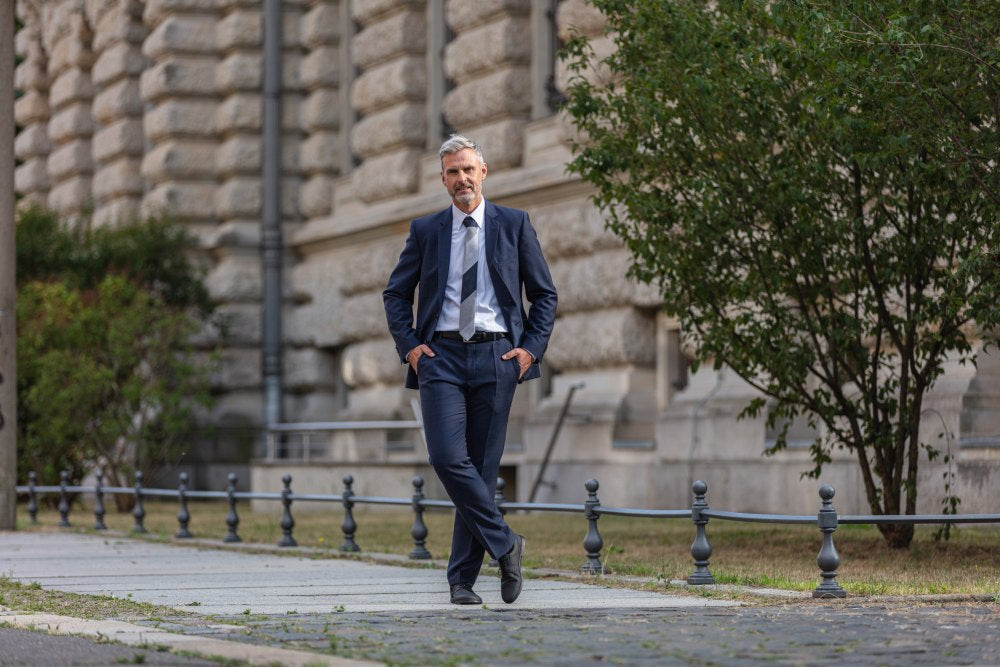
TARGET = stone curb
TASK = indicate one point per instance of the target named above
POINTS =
(137, 635)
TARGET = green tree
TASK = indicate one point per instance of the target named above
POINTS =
(107, 374)
(814, 186)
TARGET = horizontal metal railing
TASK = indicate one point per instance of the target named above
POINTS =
(276, 449)
(826, 519)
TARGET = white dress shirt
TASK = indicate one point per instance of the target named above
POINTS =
(488, 315)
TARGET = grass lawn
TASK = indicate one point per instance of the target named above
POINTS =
(749, 554)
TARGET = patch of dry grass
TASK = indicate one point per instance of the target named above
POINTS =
(32, 597)
(749, 554)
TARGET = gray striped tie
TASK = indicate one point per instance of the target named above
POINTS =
(470, 267)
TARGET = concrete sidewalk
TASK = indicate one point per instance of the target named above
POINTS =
(221, 582)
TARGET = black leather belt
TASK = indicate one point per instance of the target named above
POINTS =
(478, 337)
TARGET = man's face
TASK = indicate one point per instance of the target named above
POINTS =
(462, 174)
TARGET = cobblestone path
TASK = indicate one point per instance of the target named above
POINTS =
(824, 633)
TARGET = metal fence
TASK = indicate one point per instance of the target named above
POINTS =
(591, 509)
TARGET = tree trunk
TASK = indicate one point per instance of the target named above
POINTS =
(897, 535)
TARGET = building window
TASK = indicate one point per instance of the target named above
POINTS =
(545, 97)
(672, 362)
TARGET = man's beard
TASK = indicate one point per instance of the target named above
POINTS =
(466, 195)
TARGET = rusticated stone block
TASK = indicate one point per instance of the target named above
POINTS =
(32, 176)
(319, 69)
(398, 126)
(309, 368)
(30, 74)
(571, 228)
(236, 324)
(70, 123)
(602, 338)
(316, 196)
(462, 15)
(118, 61)
(488, 47)
(404, 79)
(239, 112)
(371, 362)
(116, 211)
(73, 157)
(67, 53)
(31, 107)
(578, 17)
(181, 34)
(240, 29)
(177, 77)
(240, 71)
(73, 85)
(238, 368)
(27, 40)
(503, 93)
(367, 11)
(182, 158)
(121, 25)
(185, 117)
(239, 154)
(400, 34)
(121, 138)
(291, 113)
(121, 177)
(368, 267)
(32, 141)
(236, 278)
(588, 282)
(386, 175)
(188, 200)
(321, 25)
(291, 148)
(360, 317)
(291, 72)
(238, 197)
(157, 10)
(320, 152)
(502, 140)
(603, 47)
(95, 10)
(321, 110)
(290, 186)
(70, 196)
(118, 100)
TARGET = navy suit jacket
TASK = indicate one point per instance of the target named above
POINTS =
(514, 259)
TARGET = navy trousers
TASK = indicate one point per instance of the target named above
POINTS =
(465, 396)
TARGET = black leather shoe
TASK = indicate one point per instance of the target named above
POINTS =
(510, 571)
(462, 594)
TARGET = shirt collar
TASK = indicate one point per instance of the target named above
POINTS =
(478, 214)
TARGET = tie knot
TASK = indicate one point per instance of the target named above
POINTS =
(469, 222)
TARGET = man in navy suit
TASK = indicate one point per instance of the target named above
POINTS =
(471, 345)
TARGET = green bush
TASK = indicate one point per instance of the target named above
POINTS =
(106, 371)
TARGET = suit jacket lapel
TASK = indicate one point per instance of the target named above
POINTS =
(444, 251)
(492, 230)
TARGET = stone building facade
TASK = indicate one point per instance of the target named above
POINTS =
(129, 106)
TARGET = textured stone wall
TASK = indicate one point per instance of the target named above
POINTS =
(31, 110)
(320, 118)
(118, 144)
(489, 60)
(68, 39)
(388, 96)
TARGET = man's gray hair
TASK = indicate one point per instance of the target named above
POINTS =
(458, 142)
